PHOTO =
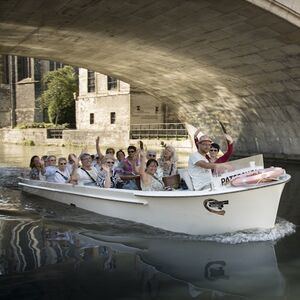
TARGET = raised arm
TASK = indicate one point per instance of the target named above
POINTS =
(229, 151)
(142, 169)
(74, 174)
(107, 180)
(98, 148)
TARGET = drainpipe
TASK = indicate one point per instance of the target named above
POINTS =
(12, 82)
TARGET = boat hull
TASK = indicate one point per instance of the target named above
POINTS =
(189, 212)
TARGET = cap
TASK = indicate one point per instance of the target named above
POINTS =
(205, 138)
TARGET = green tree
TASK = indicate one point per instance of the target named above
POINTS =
(58, 97)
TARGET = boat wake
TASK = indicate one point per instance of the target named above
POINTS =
(281, 229)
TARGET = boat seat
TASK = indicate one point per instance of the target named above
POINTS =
(184, 174)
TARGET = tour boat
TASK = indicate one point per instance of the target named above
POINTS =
(223, 208)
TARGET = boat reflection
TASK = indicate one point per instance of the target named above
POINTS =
(198, 269)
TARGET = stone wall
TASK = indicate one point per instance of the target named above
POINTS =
(19, 136)
(83, 138)
(5, 105)
(5, 100)
(102, 108)
(145, 109)
(25, 104)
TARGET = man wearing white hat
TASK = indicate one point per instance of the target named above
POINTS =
(199, 167)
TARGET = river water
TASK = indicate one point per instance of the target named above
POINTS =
(52, 251)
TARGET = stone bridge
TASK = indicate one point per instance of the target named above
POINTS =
(227, 60)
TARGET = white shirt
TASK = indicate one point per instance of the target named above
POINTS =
(70, 167)
(50, 173)
(200, 176)
(60, 179)
(84, 178)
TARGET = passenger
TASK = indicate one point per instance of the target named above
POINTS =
(149, 182)
(86, 174)
(110, 151)
(215, 149)
(70, 162)
(128, 169)
(199, 167)
(97, 163)
(118, 163)
(44, 158)
(151, 154)
(107, 178)
(36, 168)
(196, 140)
(50, 170)
(167, 162)
(62, 175)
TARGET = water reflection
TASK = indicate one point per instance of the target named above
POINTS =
(151, 268)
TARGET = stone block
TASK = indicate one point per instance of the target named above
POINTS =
(271, 66)
(292, 49)
(294, 72)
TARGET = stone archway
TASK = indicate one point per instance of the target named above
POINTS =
(212, 60)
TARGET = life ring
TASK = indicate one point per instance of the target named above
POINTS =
(257, 177)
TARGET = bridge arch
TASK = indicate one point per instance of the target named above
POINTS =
(212, 60)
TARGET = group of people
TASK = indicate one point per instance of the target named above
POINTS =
(138, 170)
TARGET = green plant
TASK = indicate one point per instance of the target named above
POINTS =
(42, 125)
(28, 142)
(58, 97)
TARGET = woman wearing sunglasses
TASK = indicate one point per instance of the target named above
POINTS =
(107, 178)
(215, 149)
(62, 174)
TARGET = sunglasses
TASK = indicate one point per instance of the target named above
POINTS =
(152, 155)
(110, 162)
(213, 150)
(62, 163)
(52, 159)
(131, 151)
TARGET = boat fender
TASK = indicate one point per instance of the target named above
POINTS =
(212, 203)
(257, 177)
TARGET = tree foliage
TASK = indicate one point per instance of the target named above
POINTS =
(58, 97)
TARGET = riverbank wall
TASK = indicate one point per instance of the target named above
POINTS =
(83, 138)
(117, 140)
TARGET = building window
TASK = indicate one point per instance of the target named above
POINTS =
(112, 118)
(92, 118)
(138, 108)
(91, 81)
(112, 83)
(24, 67)
(53, 65)
(156, 109)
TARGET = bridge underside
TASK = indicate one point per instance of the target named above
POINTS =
(213, 60)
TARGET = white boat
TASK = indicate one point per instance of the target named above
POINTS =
(223, 208)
